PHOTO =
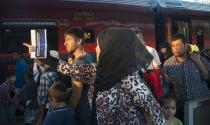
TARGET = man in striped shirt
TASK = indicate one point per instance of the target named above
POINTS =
(48, 78)
(188, 74)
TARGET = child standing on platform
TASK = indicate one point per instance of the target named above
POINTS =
(168, 103)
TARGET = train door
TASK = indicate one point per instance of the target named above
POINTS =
(200, 35)
(182, 26)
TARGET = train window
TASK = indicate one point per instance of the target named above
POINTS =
(182, 27)
(200, 36)
(14, 33)
(89, 35)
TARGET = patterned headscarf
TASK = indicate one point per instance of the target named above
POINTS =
(121, 53)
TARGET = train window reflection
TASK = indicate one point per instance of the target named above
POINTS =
(200, 35)
(182, 27)
(89, 35)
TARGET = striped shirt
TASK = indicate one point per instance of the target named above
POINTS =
(5, 89)
(190, 82)
(48, 78)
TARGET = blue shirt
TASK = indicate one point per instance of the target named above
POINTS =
(20, 70)
(61, 116)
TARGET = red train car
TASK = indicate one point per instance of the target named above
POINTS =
(18, 17)
(158, 19)
(57, 16)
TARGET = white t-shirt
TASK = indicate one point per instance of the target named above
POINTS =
(156, 60)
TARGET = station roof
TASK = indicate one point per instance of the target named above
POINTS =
(118, 5)
(124, 2)
(186, 7)
(184, 4)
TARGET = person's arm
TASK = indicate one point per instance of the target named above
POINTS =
(156, 61)
(77, 88)
(196, 58)
(85, 72)
(142, 97)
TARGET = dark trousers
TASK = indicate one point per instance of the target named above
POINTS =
(7, 115)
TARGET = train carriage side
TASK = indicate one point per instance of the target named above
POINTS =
(16, 20)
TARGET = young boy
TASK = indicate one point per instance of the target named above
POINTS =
(61, 114)
(168, 103)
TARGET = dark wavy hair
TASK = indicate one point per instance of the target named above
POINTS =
(179, 36)
(76, 32)
(166, 98)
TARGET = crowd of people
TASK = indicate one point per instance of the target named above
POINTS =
(130, 82)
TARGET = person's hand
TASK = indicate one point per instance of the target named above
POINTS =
(54, 54)
(30, 47)
(196, 57)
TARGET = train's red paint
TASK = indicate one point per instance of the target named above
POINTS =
(158, 19)
(89, 15)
